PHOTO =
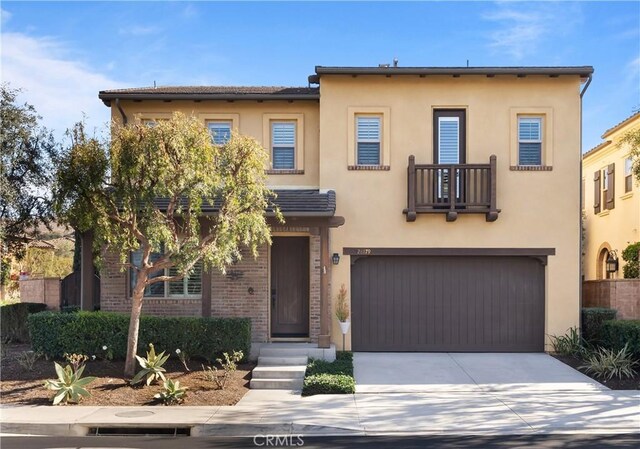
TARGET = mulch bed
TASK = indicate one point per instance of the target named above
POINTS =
(632, 383)
(21, 387)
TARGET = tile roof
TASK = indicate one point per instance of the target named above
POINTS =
(532, 70)
(292, 202)
(621, 124)
(211, 93)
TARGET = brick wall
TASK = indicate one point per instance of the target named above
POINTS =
(620, 294)
(242, 292)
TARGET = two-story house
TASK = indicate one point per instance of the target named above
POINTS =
(446, 200)
(611, 205)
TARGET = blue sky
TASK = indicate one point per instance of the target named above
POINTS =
(62, 53)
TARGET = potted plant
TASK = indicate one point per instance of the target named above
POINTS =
(342, 310)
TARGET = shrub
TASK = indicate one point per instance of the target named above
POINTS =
(328, 384)
(323, 367)
(592, 320)
(70, 385)
(53, 334)
(229, 365)
(569, 344)
(609, 363)
(172, 392)
(342, 306)
(631, 255)
(14, 320)
(345, 355)
(620, 333)
(151, 366)
(27, 360)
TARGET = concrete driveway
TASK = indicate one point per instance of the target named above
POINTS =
(464, 372)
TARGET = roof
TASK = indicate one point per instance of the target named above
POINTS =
(621, 124)
(596, 149)
(211, 93)
(583, 71)
(291, 202)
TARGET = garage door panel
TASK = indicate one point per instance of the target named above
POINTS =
(429, 303)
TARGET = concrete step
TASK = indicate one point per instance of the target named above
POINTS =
(282, 361)
(276, 384)
(279, 372)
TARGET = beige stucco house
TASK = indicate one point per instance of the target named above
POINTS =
(611, 201)
(446, 200)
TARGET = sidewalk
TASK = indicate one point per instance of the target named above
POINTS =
(282, 413)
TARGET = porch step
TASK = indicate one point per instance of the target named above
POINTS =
(282, 361)
(310, 351)
(279, 372)
(276, 384)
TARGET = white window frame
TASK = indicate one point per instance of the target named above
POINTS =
(293, 124)
(229, 123)
(379, 140)
(539, 140)
(166, 293)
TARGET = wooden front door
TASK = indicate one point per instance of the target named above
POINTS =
(290, 287)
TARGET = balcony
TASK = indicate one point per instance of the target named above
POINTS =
(451, 189)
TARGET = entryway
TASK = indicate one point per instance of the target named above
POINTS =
(290, 287)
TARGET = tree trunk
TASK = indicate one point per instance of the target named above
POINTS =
(134, 326)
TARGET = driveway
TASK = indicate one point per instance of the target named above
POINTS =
(462, 372)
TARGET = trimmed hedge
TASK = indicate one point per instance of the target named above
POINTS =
(53, 334)
(328, 384)
(324, 377)
(592, 320)
(14, 320)
(615, 334)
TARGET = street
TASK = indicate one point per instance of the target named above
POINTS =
(379, 442)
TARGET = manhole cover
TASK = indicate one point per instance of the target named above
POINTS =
(134, 414)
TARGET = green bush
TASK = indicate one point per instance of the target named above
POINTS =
(592, 320)
(53, 334)
(328, 384)
(14, 320)
(631, 255)
(324, 377)
(616, 334)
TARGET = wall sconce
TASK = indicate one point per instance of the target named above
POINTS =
(335, 258)
(612, 262)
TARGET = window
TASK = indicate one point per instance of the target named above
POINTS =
(604, 185)
(149, 123)
(283, 145)
(368, 140)
(628, 178)
(220, 131)
(529, 141)
(189, 286)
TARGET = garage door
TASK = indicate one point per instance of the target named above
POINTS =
(447, 303)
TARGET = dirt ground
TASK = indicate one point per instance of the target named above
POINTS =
(22, 387)
(632, 383)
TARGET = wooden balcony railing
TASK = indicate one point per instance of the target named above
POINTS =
(451, 189)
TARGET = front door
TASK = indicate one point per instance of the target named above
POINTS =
(290, 287)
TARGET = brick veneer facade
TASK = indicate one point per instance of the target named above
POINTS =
(242, 292)
(620, 294)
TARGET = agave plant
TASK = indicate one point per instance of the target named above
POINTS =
(151, 367)
(172, 392)
(70, 385)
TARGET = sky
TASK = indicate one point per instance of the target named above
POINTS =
(62, 53)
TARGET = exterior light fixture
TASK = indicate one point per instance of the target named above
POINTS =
(612, 262)
(335, 258)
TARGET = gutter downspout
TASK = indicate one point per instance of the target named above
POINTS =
(582, 92)
(124, 116)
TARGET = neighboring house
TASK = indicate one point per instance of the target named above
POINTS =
(611, 202)
(447, 200)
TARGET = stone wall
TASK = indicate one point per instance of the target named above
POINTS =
(620, 294)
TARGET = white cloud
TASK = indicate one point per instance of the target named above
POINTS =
(138, 30)
(521, 28)
(61, 89)
(5, 16)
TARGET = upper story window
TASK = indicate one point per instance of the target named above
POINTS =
(220, 131)
(529, 141)
(283, 145)
(187, 287)
(628, 175)
(368, 140)
(604, 189)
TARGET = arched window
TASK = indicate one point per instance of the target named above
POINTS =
(601, 263)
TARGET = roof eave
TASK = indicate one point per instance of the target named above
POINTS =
(582, 71)
(106, 97)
